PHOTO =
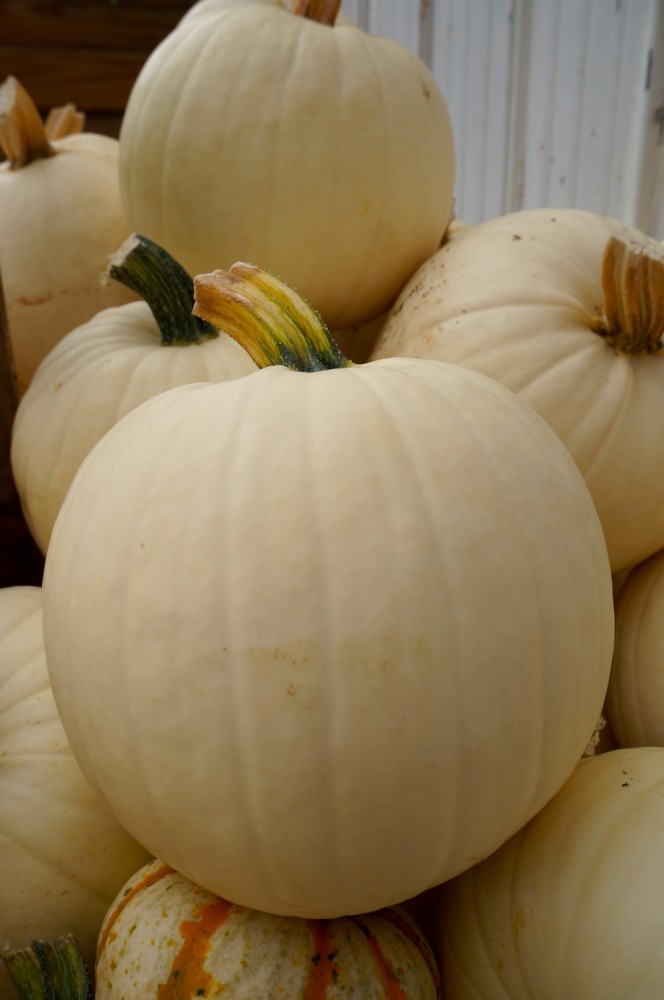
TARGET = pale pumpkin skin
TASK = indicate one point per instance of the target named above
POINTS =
(61, 219)
(322, 153)
(572, 905)
(63, 857)
(165, 936)
(96, 374)
(518, 298)
(635, 697)
(326, 639)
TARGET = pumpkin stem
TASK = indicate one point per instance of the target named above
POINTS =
(50, 970)
(23, 137)
(323, 11)
(633, 283)
(274, 324)
(167, 288)
(64, 121)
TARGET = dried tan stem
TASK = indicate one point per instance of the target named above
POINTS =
(323, 11)
(64, 121)
(23, 137)
(633, 284)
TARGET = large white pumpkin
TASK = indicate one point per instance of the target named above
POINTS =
(321, 152)
(63, 857)
(325, 639)
(566, 308)
(572, 905)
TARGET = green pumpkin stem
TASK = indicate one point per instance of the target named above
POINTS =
(632, 321)
(50, 970)
(168, 289)
(274, 324)
(23, 137)
(323, 11)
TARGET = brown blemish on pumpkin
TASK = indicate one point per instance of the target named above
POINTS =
(518, 925)
(188, 976)
(149, 879)
(35, 300)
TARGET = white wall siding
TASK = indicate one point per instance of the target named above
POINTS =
(556, 103)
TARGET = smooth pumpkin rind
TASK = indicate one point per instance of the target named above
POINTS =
(520, 299)
(394, 643)
(335, 151)
(570, 906)
(63, 856)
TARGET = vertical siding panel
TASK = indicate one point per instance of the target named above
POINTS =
(648, 189)
(358, 11)
(556, 103)
(400, 21)
(471, 58)
(585, 107)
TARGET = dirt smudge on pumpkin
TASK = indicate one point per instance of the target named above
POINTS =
(188, 976)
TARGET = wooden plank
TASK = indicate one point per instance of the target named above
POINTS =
(93, 81)
(105, 24)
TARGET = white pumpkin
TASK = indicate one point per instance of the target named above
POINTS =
(321, 152)
(63, 857)
(104, 368)
(572, 905)
(325, 638)
(61, 217)
(566, 308)
(635, 697)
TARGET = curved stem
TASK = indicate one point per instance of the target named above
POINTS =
(168, 289)
(23, 137)
(323, 11)
(633, 284)
(274, 324)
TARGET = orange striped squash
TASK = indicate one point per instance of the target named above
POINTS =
(166, 937)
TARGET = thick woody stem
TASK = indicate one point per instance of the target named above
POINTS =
(323, 11)
(266, 317)
(50, 970)
(146, 268)
(23, 137)
(633, 284)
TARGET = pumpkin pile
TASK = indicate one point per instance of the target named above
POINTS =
(342, 677)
